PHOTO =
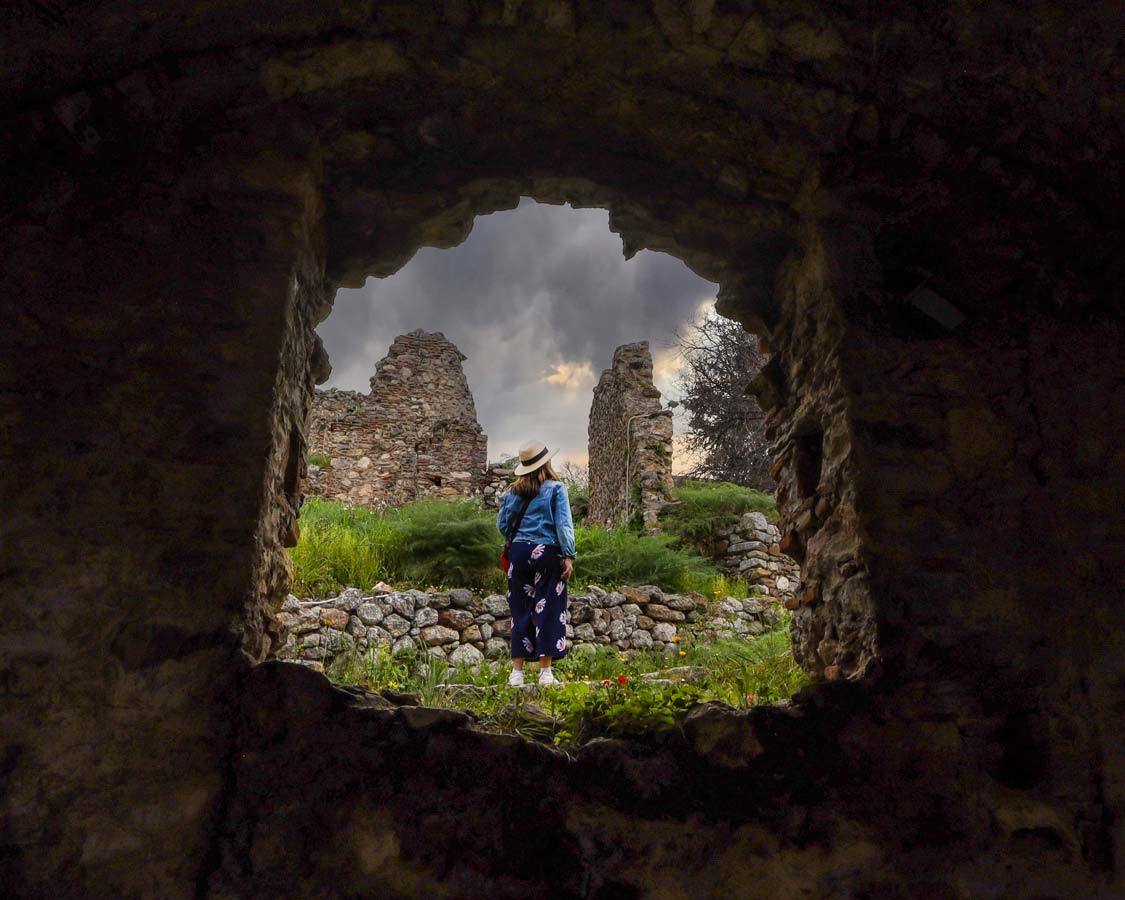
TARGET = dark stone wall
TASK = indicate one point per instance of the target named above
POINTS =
(184, 189)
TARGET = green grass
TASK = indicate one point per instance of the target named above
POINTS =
(702, 508)
(618, 703)
(315, 458)
(456, 544)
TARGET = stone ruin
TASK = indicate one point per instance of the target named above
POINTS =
(915, 205)
(463, 627)
(414, 435)
(630, 443)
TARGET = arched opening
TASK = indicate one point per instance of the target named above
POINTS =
(186, 190)
(535, 327)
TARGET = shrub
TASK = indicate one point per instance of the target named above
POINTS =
(456, 544)
(703, 508)
(615, 557)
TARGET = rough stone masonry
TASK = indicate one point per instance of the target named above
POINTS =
(185, 186)
(414, 435)
(630, 443)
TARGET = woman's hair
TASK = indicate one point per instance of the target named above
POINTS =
(528, 485)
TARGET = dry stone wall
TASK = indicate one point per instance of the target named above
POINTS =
(630, 442)
(752, 550)
(464, 627)
(414, 435)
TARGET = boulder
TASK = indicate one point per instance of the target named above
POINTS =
(425, 616)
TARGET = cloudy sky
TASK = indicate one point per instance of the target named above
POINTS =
(537, 298)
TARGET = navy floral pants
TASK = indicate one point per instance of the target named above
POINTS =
(537, 599)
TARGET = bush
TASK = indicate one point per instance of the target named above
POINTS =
(456, 544)
(703, 508)
(612, 558)
(429, 542)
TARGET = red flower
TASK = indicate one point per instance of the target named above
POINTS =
(749, 698)
(606, 682)
(621, 679)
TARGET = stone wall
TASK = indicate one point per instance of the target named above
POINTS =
(629, 431)
(414, 435)
(187, 185)
(752, 550)
(464, 627)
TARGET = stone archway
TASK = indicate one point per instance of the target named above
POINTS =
(184, 194)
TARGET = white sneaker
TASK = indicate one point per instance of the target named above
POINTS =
(547, 677)
(516, 678)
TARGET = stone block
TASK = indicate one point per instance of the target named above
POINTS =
(334, 618)
(370, 613)
(663, 631)
(497, 605)
(662, 613)
(466, 654)
(425, 616)
(456, 619)
(438, 634)
(403, 604)
(396, 625)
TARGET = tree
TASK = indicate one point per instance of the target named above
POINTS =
(726, 432)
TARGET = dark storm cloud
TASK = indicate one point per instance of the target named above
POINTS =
(537, 298)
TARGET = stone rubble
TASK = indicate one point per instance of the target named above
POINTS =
(464, 627)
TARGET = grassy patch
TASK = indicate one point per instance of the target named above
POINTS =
(703, 508)
(456, 544)
(316, 458)
(604, 693)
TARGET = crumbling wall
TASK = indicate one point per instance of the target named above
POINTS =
(630, 443)
(414, 435)
(185, 188)
(461, 626)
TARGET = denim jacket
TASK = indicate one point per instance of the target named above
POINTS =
(547, 520)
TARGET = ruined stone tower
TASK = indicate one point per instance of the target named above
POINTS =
(415, 435)
(630, 442)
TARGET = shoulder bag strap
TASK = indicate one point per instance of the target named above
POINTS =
(514, 528)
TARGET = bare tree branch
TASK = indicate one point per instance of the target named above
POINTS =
(725, 423)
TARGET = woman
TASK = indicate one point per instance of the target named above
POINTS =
(541, 560)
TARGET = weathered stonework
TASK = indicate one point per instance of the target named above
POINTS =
(414, 435)
(752, 550)
(461, 626)
(630, 443)
(184, 188)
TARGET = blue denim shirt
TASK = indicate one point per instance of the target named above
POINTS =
(547, 520)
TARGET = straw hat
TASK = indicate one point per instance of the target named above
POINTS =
(532, 456)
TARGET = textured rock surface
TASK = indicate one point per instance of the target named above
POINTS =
(630, 443)
(414, 435)
(316, 631)
(184, 186)
(752, 550)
